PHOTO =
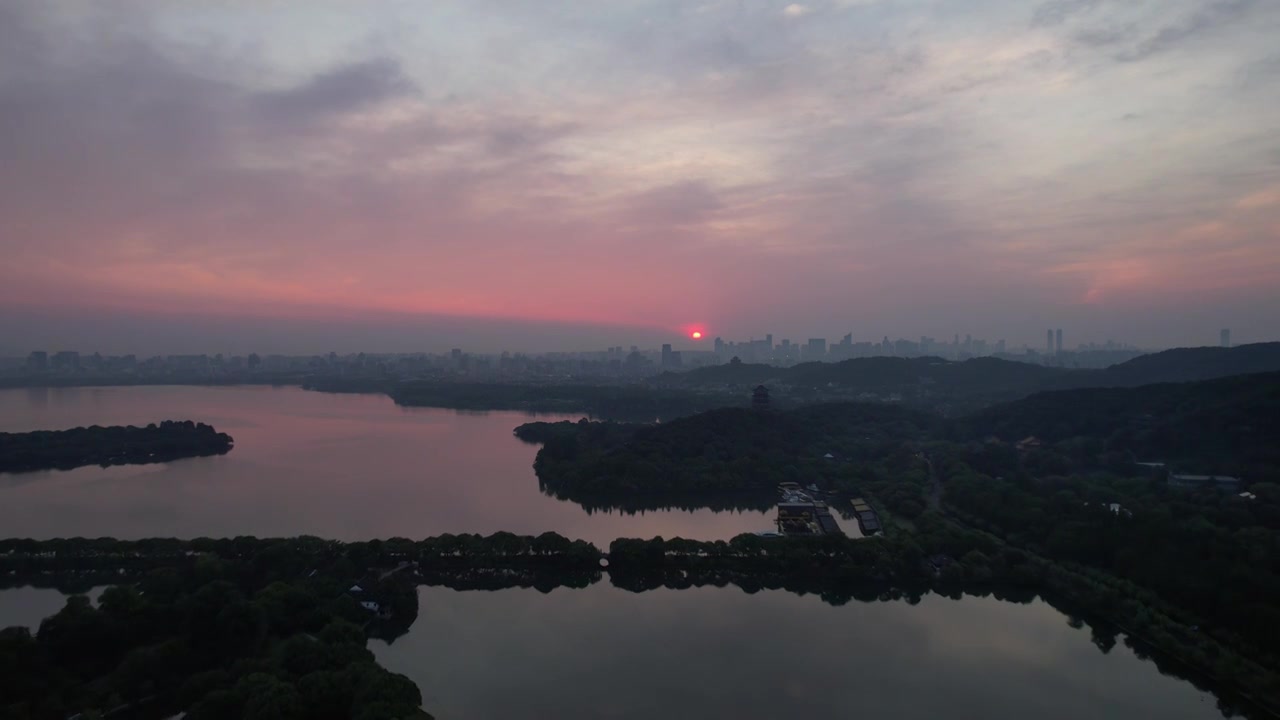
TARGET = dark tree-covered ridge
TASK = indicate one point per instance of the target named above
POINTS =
(115, 445)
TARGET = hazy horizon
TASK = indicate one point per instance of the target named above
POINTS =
(531, 177)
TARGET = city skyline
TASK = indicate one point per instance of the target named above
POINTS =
(577, 176)
(827, 348)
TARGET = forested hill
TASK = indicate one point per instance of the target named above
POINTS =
(1224, 426)
(729, 449)
(1185, 365)
(1228, 424)
(980, 381)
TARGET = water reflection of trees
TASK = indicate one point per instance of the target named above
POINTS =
(1103, 635)
(654, 502)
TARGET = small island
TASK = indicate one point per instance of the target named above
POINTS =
(115, 445)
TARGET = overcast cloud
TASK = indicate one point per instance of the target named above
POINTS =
(514, 175)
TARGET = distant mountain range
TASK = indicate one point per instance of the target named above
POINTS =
(978, 382)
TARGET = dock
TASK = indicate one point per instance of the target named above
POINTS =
(868, 520)
(799, 514)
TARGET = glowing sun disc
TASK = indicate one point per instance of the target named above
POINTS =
(697, 335)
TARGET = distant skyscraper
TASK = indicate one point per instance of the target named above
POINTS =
(1224, 337)
(666, 355)
(65, 360)
(1058, 341)
(1048, 341)
(816, 349)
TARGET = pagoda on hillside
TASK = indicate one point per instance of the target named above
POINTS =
(760, 398)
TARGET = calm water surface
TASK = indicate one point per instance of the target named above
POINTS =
(709, 652)
(602, 652)
(26, 606)
(357, 466)
(338, 466)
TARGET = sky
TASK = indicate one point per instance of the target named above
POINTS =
(493, 174)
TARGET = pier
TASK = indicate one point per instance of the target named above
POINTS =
(868, 520)
(799, 514)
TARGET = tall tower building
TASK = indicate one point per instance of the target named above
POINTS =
(667, 359)
(1058, 340)
(1224, 337)
(1048, 341)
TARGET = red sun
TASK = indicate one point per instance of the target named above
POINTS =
(696, 335)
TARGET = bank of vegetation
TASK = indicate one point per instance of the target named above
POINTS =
(1155, 507)
(115, 445)
(245, 627)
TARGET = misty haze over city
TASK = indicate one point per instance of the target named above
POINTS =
(504, 177)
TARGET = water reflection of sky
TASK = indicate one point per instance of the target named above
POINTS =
(341, 466)
(711, 652)
(26, 606)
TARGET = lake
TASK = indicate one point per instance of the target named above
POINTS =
(349, 467)
(603, 652)
(358, 467)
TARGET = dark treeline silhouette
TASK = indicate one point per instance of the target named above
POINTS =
(116, 445)
(739, 501)
(632, 402)
(247, 627)
(728, 449)
(234, 629)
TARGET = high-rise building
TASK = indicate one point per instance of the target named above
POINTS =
(1048, 341)
(666, 355)
(1058, 340)
(65, 360)
(816, 349)
(38, 361)
(1224, 337)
